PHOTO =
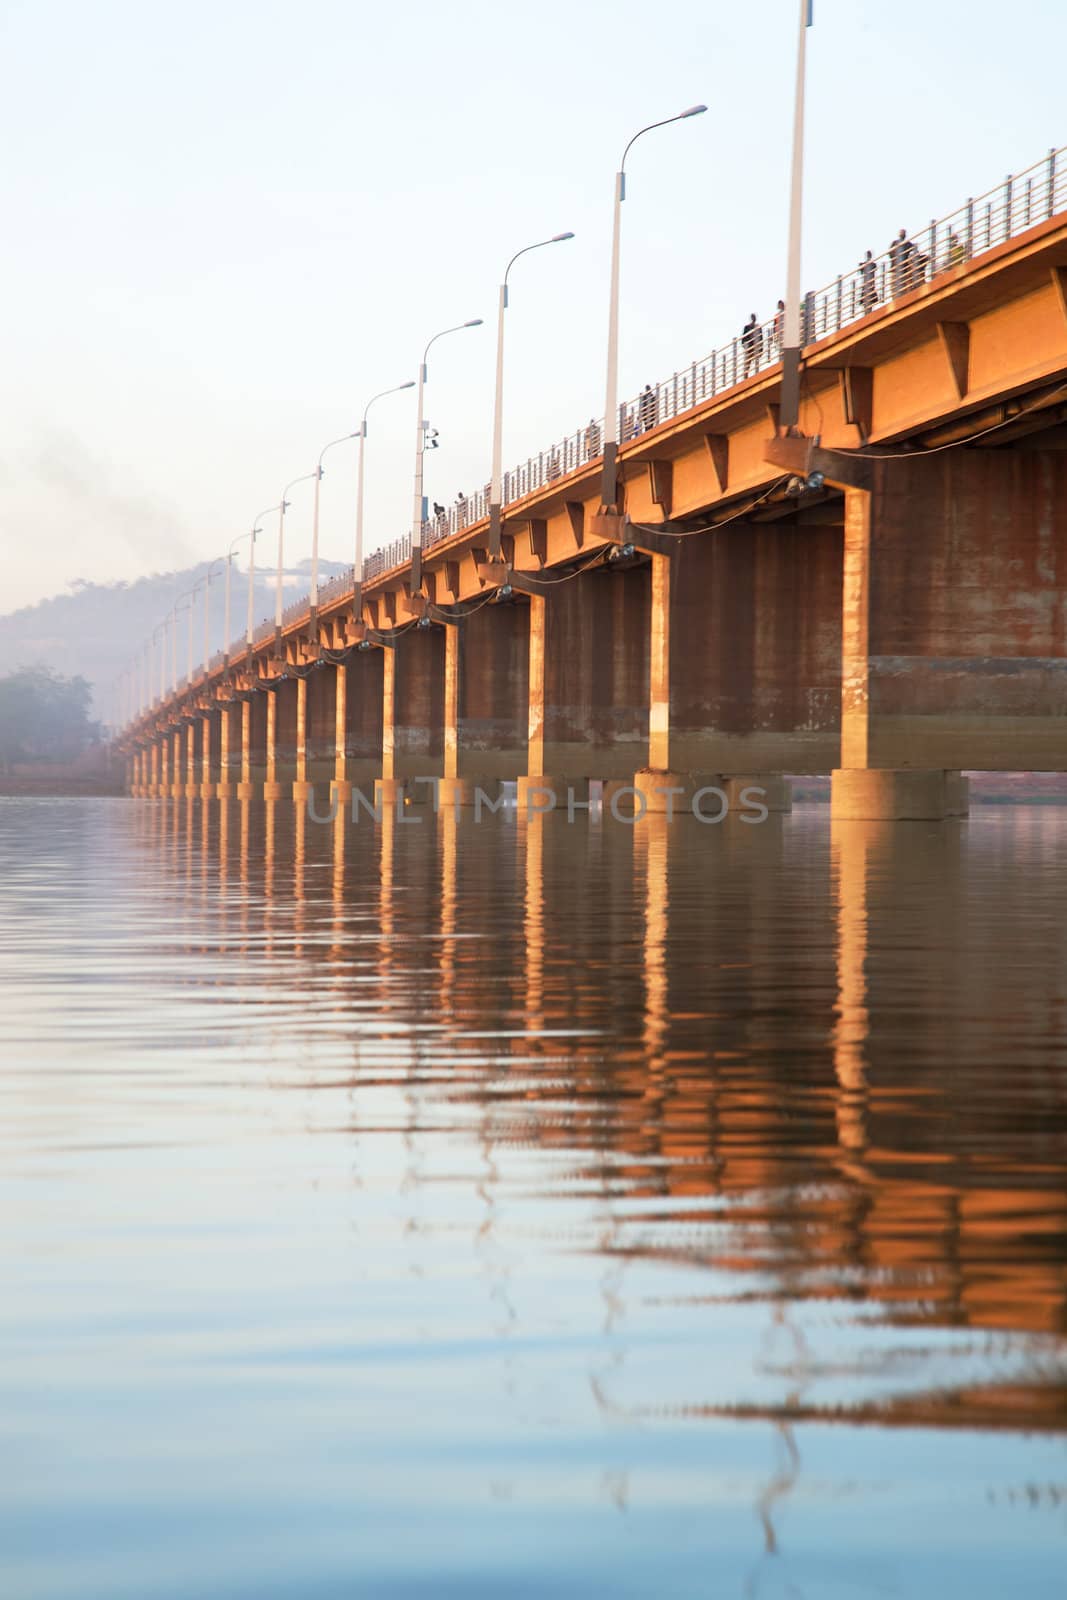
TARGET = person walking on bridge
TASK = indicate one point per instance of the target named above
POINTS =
(868, 283)
(751, 344)
(778, 335)
(647, 408)
(901, 264)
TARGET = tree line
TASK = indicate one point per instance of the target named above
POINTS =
(44, 717)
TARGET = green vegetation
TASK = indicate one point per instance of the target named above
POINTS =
(44, 717)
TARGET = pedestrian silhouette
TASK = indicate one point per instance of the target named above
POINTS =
(902, 264)
(868, 283)
(779, 327)
(751, 343)
(647, 408)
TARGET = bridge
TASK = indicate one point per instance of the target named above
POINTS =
(880, 593)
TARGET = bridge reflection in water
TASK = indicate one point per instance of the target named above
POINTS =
(787, 1099)
(819, 1061)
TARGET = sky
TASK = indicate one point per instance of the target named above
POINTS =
(228, 224)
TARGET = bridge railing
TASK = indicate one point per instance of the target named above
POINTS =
(912, 260)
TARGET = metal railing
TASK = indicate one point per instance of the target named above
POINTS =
(909, 263)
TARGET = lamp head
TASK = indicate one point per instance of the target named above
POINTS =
(475, 322)
(557, 238)
(694, 111)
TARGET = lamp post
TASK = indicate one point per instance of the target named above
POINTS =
(609, 485)
(207, 612)
(418, 511)
(789, 410)
(313, 600)
(226, 605)
(498, 403)
(161, 627)
(173, 624)
(305, 477)
(357, 571)
(251, 624)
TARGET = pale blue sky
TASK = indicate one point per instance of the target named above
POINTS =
(226, 224)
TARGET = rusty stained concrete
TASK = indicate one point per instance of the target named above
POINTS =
(968, 620)
(756, 648)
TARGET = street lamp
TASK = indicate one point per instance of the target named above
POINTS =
(498, 405)
(304, 478)
(251, 624)
(313, 601)
(357, 571)
(418, 513)
(608, 491)
(226, 606)
(207, 612)
(161, 627)
(172, 623)
(789, 409)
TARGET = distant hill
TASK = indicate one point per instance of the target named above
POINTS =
(96, 627)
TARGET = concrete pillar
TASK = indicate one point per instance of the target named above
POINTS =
(860, 790)
(191, 786)
(657, 784)
(301, 787)
(535, 760)
(659, 667)
(412, 714)
(207, 780)
(485, 702)
(245, 788)
(358, 705)
(855, 630)
(588, 685)
(388, 789)
(163, 754)
(451, 704)
(225, 786)
(341, 785)
(177, 786)
(272, 789)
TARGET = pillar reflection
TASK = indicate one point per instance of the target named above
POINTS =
(530, 841)
(448, 846)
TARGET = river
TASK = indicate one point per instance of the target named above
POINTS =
(441, 1208)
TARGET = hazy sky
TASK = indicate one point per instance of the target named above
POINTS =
(226, 224)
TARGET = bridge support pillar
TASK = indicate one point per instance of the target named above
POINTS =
(224, 789)
(163, 765)
(301, 787)
(859, 790)
(191, 788)
(272, 789)
(341, 783)
(244, 783)
(703, 699)
(208, 785)
(485, 705)
(177, 786)
(588, 685)
(388, 789)
(412, 715)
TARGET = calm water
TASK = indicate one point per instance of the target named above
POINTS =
(531, 1211)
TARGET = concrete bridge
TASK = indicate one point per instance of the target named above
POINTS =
(881, 593)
